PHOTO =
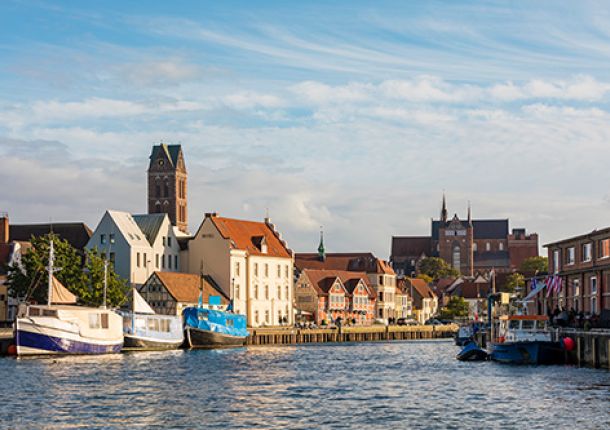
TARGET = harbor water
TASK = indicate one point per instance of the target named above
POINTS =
(401, 385)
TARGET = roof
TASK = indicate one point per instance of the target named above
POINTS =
(410, 246)
(585, 236)
(491, 259)
(483, 228)
(469, 289)
(247, 236)
(76, 233)
(171, 151)
(128, 227)
(422, 288)
(150, 224)
(185, 287)
(322, 280)
(352, 262)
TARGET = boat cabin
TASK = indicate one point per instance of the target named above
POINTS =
(517, 328)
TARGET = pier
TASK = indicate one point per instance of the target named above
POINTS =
(294, 336)
(592, 348)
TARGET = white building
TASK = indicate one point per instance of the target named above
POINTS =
(137, 245)
(250, 262)
(425, 302)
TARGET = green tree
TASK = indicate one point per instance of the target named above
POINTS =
(533, 264)
(29, 280)
(437, 268)
(514, 281)
(456, 307)
(425, 277)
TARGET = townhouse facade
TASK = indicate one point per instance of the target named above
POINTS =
(137, 245)
(327, 295)
(583, 263)
(250, 262)
(425, 301)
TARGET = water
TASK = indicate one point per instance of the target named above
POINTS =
(372, 385)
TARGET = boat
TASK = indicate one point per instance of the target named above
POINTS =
(472, 352)
(466, 333)
(210, 328)
(62, 327)
(525, 339)
(143, 329)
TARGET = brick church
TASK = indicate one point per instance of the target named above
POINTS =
(471, 246)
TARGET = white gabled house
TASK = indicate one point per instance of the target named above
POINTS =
(137, 245)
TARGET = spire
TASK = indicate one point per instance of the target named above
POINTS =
(321, 250)
(444, 209)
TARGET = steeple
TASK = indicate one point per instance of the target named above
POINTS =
(321, 250)
(444, 209)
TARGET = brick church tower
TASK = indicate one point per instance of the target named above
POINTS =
(456, 241)
(167, 184)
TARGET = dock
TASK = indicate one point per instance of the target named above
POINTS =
(592, 348)
(294, 336)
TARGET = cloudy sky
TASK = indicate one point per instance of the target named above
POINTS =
(351, 115)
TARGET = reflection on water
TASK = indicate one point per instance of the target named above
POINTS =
(373, 385)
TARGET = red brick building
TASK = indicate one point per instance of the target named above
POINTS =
(583, 263)
(471, 246)
(326, 295)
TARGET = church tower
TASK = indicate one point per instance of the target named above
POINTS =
(167, 184)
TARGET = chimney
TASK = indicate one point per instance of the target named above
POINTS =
(4, 228)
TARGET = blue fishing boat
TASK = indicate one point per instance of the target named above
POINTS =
(209, 328)
(525, 339)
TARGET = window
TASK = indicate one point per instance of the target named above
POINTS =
(279, 271)
(267, 317)
(474, 247)
(487, 246)
(237, 268)
(279, 292)
(237, 291)
(266, 270)
(287, 292)
(111, 237)
(256, 317)
(103, 239)
(163, 261)
(501, 246)
(158, 190)
(112, 257)
(457, 257)
(163, 240)
(138, 259)
(286, 271)
(267, 292)
(169, 241)
(587, 249)
(279, 316)
(570, 255)
(176, 262)
(593, 284)
(166, 189)
(256, 291)
(576, 288)
(556, 261)
(381, 280)
(255, 269)
(381, 297)
(157, 260)
(604, 248)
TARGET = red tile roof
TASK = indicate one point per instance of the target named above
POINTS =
(353, 262)
(422, 288)
(322, 280)
(185, 287)
(247, 236)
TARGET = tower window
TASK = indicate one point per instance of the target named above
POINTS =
(166, 189)
(158, 190)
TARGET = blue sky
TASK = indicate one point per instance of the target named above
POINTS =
(352, 115)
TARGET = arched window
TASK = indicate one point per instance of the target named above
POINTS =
(166, 189)
(456, 257)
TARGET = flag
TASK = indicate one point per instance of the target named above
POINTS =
(549, 285)
(558, 283)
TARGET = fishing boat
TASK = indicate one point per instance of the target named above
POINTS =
(145, 330)
(525, 339)
(61, 327)
(209, 328)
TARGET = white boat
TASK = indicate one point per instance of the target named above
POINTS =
(60, 327)
(145, 330)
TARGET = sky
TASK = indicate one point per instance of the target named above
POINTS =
(355, 116)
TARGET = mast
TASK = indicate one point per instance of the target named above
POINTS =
(105, 282)
(50, 270)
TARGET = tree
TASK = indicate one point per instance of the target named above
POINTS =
(456, 307)
(437, 268)
(534, 264)
(28, 281)
(514, 281)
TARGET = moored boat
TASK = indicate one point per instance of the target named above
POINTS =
(61, 327)
(472, 352)
(208, 328)
(145, 330)
(525, 339)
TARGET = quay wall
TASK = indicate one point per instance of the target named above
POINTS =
(592, 348)
(293, 336)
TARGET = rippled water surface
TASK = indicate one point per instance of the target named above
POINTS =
(371, 385)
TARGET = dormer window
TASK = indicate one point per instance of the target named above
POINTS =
(261, 243)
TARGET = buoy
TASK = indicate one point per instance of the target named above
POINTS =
(12, 350)
(568, 343)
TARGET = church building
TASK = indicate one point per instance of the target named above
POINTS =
(167, 184)
(471, 246)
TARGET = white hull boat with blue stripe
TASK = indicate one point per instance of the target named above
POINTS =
(64, 329)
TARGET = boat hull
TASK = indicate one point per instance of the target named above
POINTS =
(141, 343)
(527, 352)
(198, 338)
(462, 341)
(37, 340)
(472, 352)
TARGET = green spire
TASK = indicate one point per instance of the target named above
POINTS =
(321, 250)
